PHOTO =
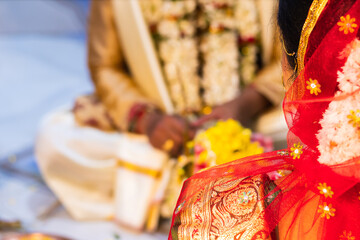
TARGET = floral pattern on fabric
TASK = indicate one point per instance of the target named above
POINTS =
(296, 150)
(229, 219)
(325, 190)
(354, 118)
(332, 156)
(347, 235)
(314, 86)
(326, 210)
(347, 24)
(338, 142)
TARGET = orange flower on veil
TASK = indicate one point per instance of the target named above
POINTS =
(326, 210)
(347, 236)
(296, 150)
(314, 86)
(347, 24)
(325, 190)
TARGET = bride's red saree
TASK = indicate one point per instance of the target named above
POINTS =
(319, 198)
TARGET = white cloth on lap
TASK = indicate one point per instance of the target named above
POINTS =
(81, 166)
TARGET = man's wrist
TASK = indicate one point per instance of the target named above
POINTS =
(149, 121)
(251, 103)
(138, 116)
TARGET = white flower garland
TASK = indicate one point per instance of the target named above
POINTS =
(151, 10)
(224, 67)
(178, 52)
(248, 26)
(339, 138)
(219, 52)
(247, 22)
(180, 67)
(220, 72)
(223, 64)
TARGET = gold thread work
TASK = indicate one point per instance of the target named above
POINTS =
(138, 169)
(314, 13)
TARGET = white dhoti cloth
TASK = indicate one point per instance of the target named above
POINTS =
(100, 175)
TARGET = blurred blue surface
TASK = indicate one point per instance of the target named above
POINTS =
(43, 16)
(37, 73)
(42, 65)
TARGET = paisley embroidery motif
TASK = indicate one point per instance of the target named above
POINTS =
(215, 212)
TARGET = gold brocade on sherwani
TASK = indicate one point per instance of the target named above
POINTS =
(224, 209)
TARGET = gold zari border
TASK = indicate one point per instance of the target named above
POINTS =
(314, 13)
(139, 169)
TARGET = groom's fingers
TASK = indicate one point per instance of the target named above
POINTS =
(202, 120)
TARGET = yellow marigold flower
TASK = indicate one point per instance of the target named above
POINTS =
(326, 210)
(203, 157)
(347, 236)
(325, 190)
(296, 150)
(190, 144)
(314, 86)
(206, 110)
(181, 172)
(182, 159)
(347, 24)
(354, 118)
(225, 142)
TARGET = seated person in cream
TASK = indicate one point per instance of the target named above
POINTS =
(161, 69)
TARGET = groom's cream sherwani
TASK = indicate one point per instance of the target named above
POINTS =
(114, 41)
(99, 175)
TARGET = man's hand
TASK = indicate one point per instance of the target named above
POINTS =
(243, 108)
(166, 132)
(223, 112)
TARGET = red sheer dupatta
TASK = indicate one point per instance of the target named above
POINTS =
(320, 198)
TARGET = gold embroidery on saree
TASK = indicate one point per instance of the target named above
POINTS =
(314, 13)
(226, 209)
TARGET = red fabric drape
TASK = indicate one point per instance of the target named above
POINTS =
(300, 191)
